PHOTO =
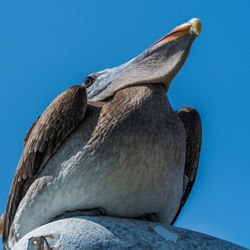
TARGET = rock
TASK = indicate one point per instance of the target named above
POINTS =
(116, 233)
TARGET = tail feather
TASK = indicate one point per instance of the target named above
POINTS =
(2, 223)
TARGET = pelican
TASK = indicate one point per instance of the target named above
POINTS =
(111, 146)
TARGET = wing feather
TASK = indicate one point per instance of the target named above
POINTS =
(43, 139)
(192, 123)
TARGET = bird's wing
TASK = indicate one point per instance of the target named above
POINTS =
(44, 138)
(192, 123)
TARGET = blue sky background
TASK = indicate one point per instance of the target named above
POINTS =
(47, 46)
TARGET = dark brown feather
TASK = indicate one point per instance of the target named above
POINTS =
(43, 139)
(192, 123)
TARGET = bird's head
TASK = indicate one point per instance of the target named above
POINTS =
(157, 64)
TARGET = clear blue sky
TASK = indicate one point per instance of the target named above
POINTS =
(47, 46)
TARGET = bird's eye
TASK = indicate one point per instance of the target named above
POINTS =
(88, 81)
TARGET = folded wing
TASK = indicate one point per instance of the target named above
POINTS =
(192, 123)
(44, 138)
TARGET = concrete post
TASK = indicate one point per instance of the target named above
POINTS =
(116, 233)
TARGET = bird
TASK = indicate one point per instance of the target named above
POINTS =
(112, 145)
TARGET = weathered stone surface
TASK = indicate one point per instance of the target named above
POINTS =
(116, 233)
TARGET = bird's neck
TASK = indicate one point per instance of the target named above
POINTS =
(147, 100)
(132, 109)
(152, 96)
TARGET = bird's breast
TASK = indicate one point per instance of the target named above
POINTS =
(134, 160)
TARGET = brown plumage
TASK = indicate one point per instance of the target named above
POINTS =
(64, 121)
(192, 123)
(43, 139)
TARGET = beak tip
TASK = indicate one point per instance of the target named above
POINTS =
(196, 24)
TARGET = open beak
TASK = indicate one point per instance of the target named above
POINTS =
(192, 26)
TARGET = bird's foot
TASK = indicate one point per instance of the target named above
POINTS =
(149, 217)
(88, 212)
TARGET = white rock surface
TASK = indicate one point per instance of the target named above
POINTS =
(115, 233)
